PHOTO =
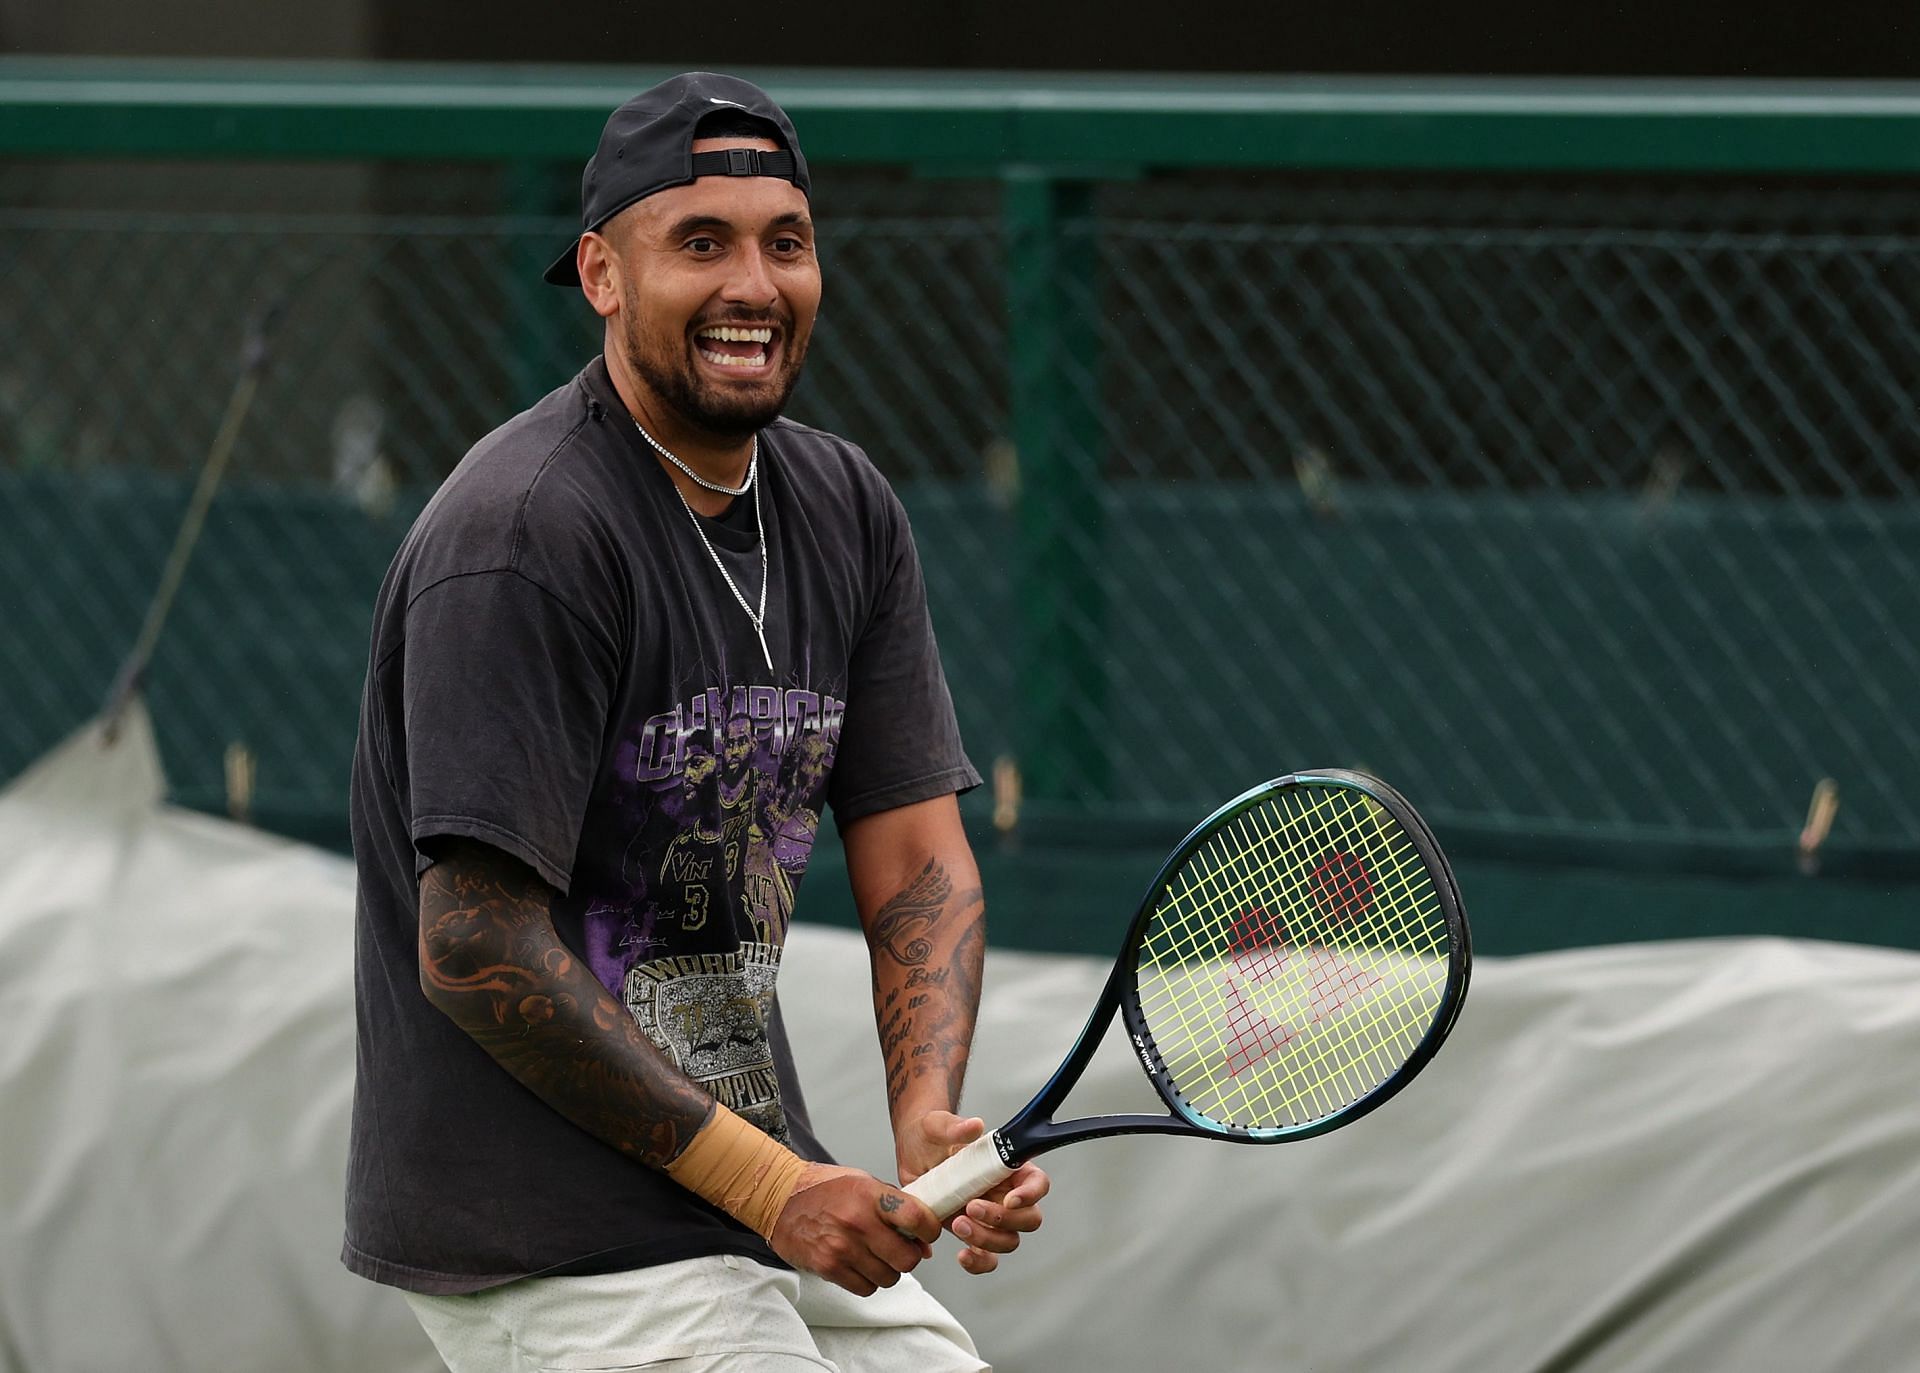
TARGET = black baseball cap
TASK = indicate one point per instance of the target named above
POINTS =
(647, 146)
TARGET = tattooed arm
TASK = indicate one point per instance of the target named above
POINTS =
(918, 892)
(491, 961)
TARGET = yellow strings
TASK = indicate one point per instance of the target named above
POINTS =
(1346, 1003)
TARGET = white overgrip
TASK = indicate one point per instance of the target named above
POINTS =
(949, 1186)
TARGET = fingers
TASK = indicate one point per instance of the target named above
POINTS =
(982, 1218)
(984, 1229)
(864, 1260)
(1027, 1186)
(978, 1261)
(878, 1252)
(896, 1248)
(876, 1270)
(863, 1268)
(992, 1225)
(862, 1276)
(853, 1229)
(908, 1216)
(1012, 1208)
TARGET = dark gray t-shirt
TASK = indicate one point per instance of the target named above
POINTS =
(559, 670)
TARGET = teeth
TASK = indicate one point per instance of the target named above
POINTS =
(729, 360)
(732, 335)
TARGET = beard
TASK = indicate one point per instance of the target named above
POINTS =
(726, 411)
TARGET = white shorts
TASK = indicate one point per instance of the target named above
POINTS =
(716, 1313)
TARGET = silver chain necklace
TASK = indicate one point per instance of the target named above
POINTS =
(757, 617)
(753, 465)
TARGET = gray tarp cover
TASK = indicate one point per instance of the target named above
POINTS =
(1694, 1156)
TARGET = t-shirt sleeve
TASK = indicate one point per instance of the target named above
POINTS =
(505, 696)
(899, 741)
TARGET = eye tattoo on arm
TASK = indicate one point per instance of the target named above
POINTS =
(491, 961)
(902, 925)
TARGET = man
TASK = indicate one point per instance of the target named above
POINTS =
(645, 632)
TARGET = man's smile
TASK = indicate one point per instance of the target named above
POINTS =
(736, 347)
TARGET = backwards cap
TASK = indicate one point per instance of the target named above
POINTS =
(647, 146)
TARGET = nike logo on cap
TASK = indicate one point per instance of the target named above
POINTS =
(716, 100)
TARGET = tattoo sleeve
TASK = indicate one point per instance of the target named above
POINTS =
(491, 961)
(929, 945)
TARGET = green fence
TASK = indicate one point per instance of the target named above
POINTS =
(1550, 450)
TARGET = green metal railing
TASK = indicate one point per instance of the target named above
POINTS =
(1551, 449)
(966, 123)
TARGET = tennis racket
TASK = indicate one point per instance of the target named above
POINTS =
(1300, 956)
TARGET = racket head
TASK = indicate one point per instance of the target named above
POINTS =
(1298, 959)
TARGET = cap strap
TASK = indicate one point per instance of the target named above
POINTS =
(744, 162)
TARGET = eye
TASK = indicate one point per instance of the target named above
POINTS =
(787, 245)
(703, 246)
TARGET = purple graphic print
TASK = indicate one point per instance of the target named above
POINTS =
(687, 880)
(716, 803)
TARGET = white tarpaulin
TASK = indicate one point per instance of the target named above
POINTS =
(176, 1064)
(1694, 1156)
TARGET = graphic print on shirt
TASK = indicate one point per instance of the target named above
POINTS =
(708, 1013)
(718, 802)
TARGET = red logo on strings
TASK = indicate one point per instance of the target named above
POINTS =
(1341, 887)
(1258, 952)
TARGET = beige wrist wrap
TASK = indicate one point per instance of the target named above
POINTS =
(739, 1168)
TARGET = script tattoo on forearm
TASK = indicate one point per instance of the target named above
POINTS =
(928, 1001)
(489, 959)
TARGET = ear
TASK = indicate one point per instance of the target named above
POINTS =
(599, 270)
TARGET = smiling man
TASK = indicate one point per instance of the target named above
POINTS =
(646, 632)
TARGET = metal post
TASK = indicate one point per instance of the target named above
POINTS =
(1053, 345)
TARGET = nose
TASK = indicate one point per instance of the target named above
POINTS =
(750, 283)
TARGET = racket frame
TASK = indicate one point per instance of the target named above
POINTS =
(1033, 1130)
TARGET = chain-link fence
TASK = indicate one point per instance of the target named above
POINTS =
(1584, 510)
(1581, 515)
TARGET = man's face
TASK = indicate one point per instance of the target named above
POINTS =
(739, 745)
(719, 293)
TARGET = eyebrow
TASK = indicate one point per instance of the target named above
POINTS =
(693, 224)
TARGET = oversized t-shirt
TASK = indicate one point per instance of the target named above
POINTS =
(560, 670)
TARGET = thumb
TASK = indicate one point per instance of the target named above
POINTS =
(955, 1130)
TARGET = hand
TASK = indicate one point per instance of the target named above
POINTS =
(987, 1226)
(853, 1229)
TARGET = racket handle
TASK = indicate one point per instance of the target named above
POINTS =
(945, 1189)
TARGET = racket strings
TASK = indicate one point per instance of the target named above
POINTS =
(1276, 994)
(1313, 1083)
(1339, 1067)
(1208, 885)
(1306, 1001)
(1316, 1078)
